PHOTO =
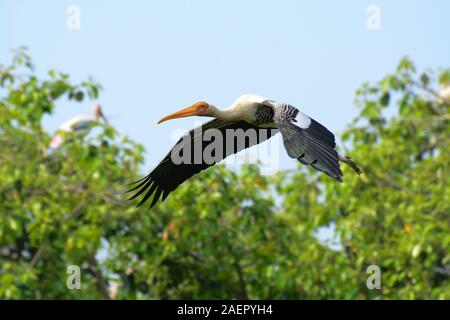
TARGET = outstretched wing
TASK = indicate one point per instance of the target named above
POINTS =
(170, 173)
(307, 140)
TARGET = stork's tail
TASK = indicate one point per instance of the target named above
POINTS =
(352, 164)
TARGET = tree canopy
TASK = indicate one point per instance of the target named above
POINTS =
(226, 234)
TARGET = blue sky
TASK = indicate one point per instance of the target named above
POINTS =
(154, 57)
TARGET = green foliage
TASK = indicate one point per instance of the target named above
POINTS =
(397, 214)
(54, 205)
(226, 234)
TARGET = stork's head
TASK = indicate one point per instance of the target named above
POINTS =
(200, 108)
(98, 113)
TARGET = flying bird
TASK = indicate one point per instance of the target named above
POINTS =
(77, 124)
(304, 139)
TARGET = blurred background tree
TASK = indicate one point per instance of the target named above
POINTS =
(54, 205)
(226, 234)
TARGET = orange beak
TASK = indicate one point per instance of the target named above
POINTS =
(186, 112)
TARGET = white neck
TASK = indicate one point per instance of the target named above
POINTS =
(220, 114)
(234, 113)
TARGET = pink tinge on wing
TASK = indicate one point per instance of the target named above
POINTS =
(56, 142)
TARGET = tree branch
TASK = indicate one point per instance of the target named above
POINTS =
(238, 268)
(95, 268)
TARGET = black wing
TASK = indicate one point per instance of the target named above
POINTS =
(307, 140)
(169, 174)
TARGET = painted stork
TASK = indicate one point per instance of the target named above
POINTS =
(304, 139)
(77, 124)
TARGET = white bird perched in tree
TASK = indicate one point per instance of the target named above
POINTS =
(77, 124)
(444, 93)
